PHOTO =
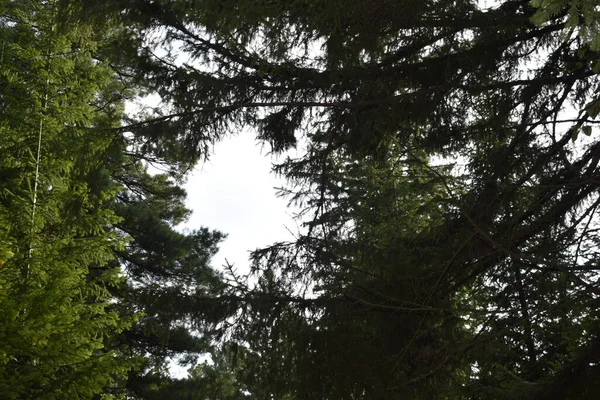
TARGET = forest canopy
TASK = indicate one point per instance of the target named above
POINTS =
(447, 180)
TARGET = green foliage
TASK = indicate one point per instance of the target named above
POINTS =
(450, 203)
(411, 280)
(99, 291)
(56, 227)
(374, 321)
(169, 278)
(581, 16)
(208, 380)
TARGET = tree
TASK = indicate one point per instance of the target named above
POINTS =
(169, 279)
(216, 379)
(502, 93)
(350, 310)
(56, 227)
(99, 290)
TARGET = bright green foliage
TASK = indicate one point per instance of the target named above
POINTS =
(55, 226)
(94, 278)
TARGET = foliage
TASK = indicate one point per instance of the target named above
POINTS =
(168, 277)
(450, 201)
(99, 291)
(55, 223)
(497, 250)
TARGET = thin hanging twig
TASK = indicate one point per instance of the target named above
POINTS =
(39, 149)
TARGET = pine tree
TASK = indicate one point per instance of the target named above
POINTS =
(56, 227)
(99, 290)
(169, 279)
(504, 93)
(354, 307)
(216, 379)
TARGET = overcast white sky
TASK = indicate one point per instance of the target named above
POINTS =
(234, 192)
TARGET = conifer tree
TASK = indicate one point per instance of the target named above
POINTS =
(99, 290)
(169, 279)
(56, 227)
(507, 96)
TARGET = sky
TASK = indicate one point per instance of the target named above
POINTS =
(235, 193)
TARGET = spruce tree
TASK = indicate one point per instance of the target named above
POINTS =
(99, 290)
(506, 96)
(168, 279)
(56, 227)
